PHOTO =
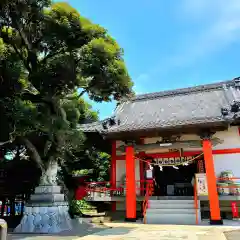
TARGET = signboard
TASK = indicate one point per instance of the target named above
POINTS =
(201, 184)
(172, 161)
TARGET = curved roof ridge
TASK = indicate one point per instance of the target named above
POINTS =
(199, 88)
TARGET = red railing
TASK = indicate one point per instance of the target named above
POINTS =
(104, 189)
(233, 190)
(231, 184)
(149, 191)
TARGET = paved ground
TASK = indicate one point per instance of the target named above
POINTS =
(125, 231)
(165, 232)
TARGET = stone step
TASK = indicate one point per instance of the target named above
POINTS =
(171, 211)
(55, 197)
(171, 198)
(172, 201)
(170, 204)
(174, 218)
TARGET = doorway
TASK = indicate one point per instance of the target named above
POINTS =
(174, 181)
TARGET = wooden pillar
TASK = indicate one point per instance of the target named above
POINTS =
(215, 216)
(130, 185)
(113, 175)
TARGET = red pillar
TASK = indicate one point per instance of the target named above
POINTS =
(215, 216)
(141, 169)
(130, 185)
(113, 175)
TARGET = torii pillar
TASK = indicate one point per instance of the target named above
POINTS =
(131, 203)
(215, 215)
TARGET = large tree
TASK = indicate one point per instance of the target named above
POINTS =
(50, 56)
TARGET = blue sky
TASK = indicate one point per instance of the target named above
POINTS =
(170, 43)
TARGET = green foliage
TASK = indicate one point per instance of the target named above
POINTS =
(48, 52)
(79, 207)
(57, 44)
(90, 162)
(82, 172)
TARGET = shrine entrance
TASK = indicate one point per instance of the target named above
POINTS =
(174, 180)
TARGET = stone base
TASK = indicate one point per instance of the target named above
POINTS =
(47, 212)
(216, 222)
(130, 219)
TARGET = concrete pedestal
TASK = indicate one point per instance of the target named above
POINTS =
(46, 212)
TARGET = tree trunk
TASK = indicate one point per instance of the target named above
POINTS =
(49, 177)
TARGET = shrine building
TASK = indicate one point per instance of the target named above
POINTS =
(172, 151)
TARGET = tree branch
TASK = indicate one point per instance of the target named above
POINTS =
(21, 57)
(53, 54)
(83, 92)
(34, 153)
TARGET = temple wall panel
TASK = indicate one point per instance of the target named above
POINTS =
(231, 138)
(121, 171)
(118, 144)
(225, 162)
(183, 138)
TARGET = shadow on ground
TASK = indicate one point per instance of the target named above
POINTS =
(80, 229)
(232, 235)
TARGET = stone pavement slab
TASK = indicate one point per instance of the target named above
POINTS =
(163, 232)
(232, 235)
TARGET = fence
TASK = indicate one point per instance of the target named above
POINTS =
(230, 187)
(102, 190)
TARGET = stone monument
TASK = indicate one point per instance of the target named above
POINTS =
(47, 210)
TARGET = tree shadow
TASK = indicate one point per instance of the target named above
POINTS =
(80, 229)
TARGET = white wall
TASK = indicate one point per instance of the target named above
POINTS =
(227, 162)
(121, 170)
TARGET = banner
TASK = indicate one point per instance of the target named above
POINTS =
(172, 161)
(234, 210)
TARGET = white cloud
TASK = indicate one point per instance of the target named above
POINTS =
(223, 24)
(217, 26)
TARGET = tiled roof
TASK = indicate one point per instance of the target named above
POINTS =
(168, 109)
(91, 127)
